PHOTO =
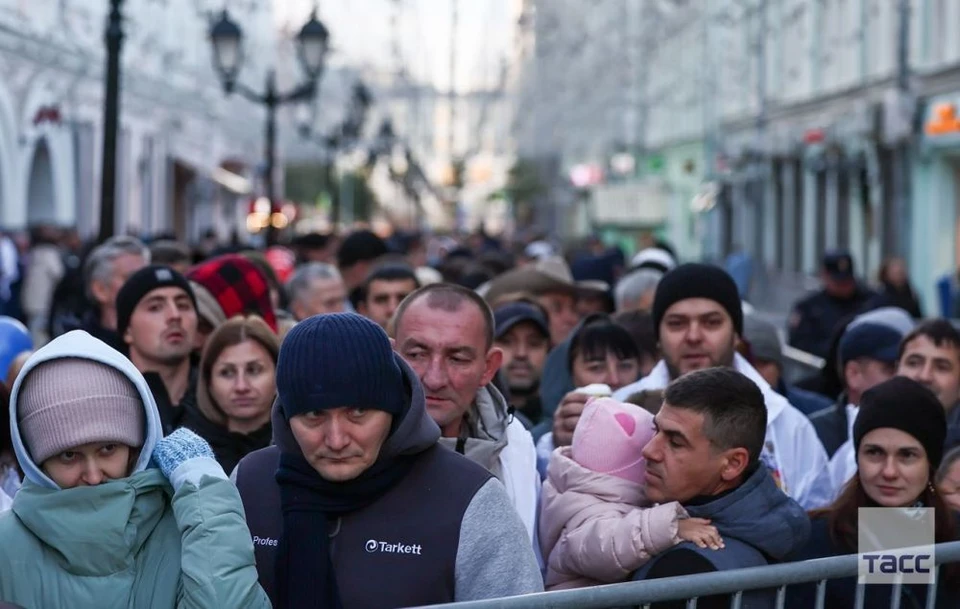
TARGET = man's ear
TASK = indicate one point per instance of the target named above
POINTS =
(99, 291)
(297, 310)
(734, 464)
(494, 359)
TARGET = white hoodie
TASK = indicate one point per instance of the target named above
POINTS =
(792, 449)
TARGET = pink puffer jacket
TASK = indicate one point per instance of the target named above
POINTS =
(593, 529)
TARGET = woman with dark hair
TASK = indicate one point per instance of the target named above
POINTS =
(603, 352)
(9, 470)
(898, 436)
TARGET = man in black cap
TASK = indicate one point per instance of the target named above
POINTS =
(815, 316)
(157, 321)
(523, 334)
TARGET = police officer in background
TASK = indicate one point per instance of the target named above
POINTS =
(815, 316)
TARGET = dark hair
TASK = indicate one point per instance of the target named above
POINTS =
(940, 331)
(842, 518)
(392, 272)
(496, 262)
(448, 297)
(357, 295)
(311, 241)
(640, 326)
(169, 253)
(599, 335)
(474, 275)
(360, 246)
(733, 409)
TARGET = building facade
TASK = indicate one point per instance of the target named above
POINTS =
(801, 125)
(178, 133)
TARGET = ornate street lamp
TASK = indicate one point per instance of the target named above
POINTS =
(312, 42)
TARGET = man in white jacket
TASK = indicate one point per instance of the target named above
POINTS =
(445, 332)
(698, 318)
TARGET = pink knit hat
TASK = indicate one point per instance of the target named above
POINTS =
(68, 402)
(610, 437)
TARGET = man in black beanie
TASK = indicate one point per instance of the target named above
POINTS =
(698, 319)
(157, 322)
(357, 505)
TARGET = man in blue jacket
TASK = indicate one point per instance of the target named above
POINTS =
(706, 456)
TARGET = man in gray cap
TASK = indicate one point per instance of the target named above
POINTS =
(763, 349)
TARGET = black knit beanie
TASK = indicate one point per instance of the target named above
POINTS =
(142, 283)
(906, 405)
(338, 360)
(694, 280)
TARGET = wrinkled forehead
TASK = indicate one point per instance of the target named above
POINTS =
(442, 328)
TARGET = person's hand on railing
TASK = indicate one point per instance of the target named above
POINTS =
(700, 532)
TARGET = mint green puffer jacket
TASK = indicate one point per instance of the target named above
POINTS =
(130, 543)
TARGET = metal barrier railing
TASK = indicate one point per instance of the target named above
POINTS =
(690, 587)
(799, 364)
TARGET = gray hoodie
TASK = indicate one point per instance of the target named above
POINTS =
(494, 557)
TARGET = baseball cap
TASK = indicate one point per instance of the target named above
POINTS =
(870, 340)
(509, 315)
(838, 264)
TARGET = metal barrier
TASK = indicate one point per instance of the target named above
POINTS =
(799, 364)
(689, 587)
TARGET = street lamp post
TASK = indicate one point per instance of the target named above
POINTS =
(312, 45)
(344, 137)
(111, 119)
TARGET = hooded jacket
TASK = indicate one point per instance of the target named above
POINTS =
(758, 524)
(427, 540)
(9, 485)
(131, 542)
(792, 451)
(596, 528)
(501, 444)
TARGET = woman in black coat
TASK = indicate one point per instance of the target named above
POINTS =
(898, 436)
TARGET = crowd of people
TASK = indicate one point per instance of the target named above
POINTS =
(450, 419)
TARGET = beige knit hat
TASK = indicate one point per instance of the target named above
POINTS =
(69, 402)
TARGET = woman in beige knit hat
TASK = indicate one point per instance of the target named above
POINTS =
(111, 514)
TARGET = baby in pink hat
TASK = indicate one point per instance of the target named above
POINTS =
(596, 525)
